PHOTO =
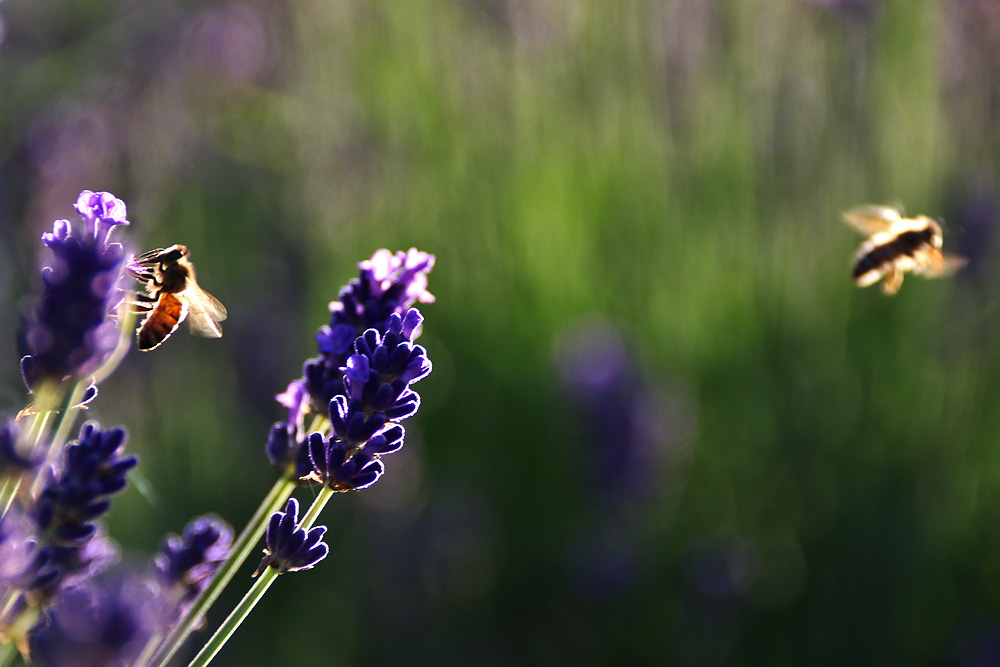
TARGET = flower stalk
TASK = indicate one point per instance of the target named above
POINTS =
(256, 592)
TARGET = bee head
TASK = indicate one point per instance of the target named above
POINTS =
(173, 254)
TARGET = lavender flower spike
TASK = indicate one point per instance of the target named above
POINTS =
(75, 547)
(290, 548)
(72, 330)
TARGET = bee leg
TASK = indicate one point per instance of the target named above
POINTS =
(143, 276)
(892, 282)
(140, 303)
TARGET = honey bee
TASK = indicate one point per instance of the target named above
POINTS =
(173, 295)
(897, 245)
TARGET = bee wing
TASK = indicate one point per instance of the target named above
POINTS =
(871, 219)
(942, 265)
(205, 312)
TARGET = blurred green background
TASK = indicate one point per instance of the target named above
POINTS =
(663, 427)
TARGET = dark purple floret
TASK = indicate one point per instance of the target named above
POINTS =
(100, 623)
(290, 548)
(337, 468)
(352, 423)
(13, 462)
(70, 331)
(388, 284)
(379, 374)
(286, 447)
(364, 424)
(186, 564)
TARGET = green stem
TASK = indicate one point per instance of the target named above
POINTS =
(7, 653)
(274, 500)
(234, 620)
(163, 649)
(253, 596)
(65, 419)
(309, 518)
(49, 402)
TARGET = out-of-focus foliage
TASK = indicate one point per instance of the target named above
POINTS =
(663, 427)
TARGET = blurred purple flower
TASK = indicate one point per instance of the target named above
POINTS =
(628, 432)
(630, 427)
(974, 220)
(187, 563)
(13, 462)
(100, 623)
(18, 549)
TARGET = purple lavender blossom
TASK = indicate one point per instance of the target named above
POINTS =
(380, 373)
(377, 381)
(71, 330)
(289, 547)
(187, 563)
(100, 622)
(375, 307)
(74, 496)
(389, 283)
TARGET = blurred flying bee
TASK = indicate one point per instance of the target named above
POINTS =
(897, 245)
(173, 295)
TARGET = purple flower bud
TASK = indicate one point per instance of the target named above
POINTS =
(290, 548)
(286, 447)
(340, 471)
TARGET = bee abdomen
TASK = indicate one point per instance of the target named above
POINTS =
(875, 259)
(162, 321)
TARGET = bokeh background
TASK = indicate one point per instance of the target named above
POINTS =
(663, 427)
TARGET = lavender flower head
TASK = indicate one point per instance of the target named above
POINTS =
(345, 381)
(377, 381)
(71, 330)
(388, 283)
(289, 547)
(73, 545)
